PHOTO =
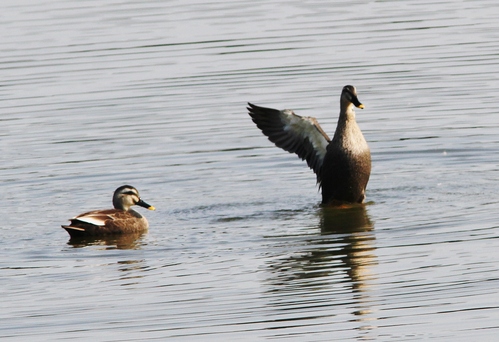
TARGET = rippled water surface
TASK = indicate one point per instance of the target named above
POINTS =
(97, 94)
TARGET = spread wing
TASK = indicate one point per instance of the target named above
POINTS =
(293, 133)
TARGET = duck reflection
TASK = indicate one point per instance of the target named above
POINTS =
(351, 219)
(358, 253)
(124, 241)
(335, 268)
(353, 228)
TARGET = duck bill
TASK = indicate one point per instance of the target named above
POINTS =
(145, 205)
(357, 103)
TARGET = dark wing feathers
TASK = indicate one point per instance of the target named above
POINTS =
(293, 133)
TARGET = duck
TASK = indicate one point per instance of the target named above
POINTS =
(120, 220)
(342, 164)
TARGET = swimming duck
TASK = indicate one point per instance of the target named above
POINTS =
(342, 165)
(120, 220)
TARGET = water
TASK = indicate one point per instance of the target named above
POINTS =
(97, 94)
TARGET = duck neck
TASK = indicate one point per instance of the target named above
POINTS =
(346, 123)
(347, 116)
(346, 111)
(117, 204)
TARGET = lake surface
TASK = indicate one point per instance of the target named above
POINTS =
(97, 94)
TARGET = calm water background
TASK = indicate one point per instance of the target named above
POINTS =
(97, 94)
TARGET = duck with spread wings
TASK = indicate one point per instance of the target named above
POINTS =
(342, 165)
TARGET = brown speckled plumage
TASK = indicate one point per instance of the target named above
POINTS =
(120, 220)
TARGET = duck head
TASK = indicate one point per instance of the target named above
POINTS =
(349, 98)
(126, 196)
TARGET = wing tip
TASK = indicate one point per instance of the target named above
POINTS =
(73, 228)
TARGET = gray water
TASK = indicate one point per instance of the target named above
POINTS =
(97, 94)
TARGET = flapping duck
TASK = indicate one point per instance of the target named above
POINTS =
(342, 165)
